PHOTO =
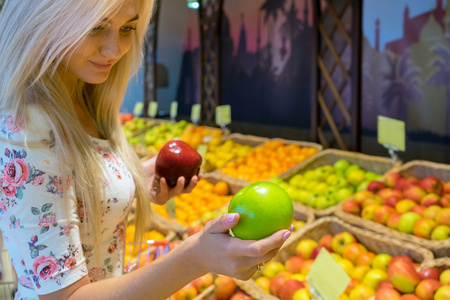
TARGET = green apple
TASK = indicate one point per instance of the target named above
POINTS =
(330, 191)
(323, 172)
(311, 185)
(295, 180)
(440, 233)
(381, 261)
(407, 222)
(343, 193)
(339, 181)
(372, 176)
(363, 185)
(352, 168)
(324, 202)
(310, 175)
(272, 268)
(330, 179)
(312, 198)
(356, 177)
(341, 166)
(320, 187)
(374, 276)
(302, 196)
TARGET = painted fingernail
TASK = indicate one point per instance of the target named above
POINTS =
(231, 217)
(291, 228)
(286, 235)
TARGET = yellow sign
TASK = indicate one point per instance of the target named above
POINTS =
(138, 107)
(391, 133)
(171, 208)
(153, 109)
(173, 110)
(201, 149)
(326, 278)
(223, 115)
(195, 113)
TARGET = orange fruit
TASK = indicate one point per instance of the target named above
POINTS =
(264, 208)
(221, 188)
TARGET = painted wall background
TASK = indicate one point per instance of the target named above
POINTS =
(267, 60)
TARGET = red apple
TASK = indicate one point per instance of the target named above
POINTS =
(426, 288)
(176, 158)
(418, 210)
(403, 276)
(424, 227)
(341, 240)
(368, 212)
(240, 296)
(289, 288)
(306, 267)
(409, 297)
(429, 273)
(365, 259)
(414, 193)
(387, 293)
(403, 258)
(353, 282)
(444, 278)
(431, 211)
(305, 248)
(201, 283)
(326, 240)
(388, 192)
(225, 286)
(392, 200)
(443, 217)
(277, 282)
(385, 283)
(393, 220)
(317, 250)
(443, 293)
(430, 199)
(351, 207)
(353, 251)
(447, 188)
(375, 186)
(188, 292)
(403, 182)
(445, 200)
(383, 213)
(432, 184)
(392, 178)
(440, 233)
(359, 196)
(294, 263)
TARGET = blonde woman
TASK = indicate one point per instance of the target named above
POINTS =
(67, 175)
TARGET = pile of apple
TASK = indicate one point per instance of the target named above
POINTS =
(221, 152)
(382, 276)
(131, 124)
(411, 205)
(225, 288)
(327, 185)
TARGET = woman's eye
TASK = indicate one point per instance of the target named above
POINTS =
(98, 29)
(127, 29)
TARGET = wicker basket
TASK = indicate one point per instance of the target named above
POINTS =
(287, 142)
(331, 225)
(379, 165)
(441, 264)
(420, 169)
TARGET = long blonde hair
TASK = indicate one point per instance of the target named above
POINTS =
(34, 38)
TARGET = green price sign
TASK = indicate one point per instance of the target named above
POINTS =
(138, 107)
(391, 133)
(173, 110)
(153, 109)
(223, 115)
(326, 278)
(171, 208)
(195, 113)
(201, 149)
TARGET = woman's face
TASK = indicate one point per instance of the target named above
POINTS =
(107, 42)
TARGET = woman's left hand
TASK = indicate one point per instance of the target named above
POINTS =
(163, 193)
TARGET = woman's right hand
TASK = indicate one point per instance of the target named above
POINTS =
(217, 251)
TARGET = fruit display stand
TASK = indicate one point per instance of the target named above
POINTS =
(202, 192)
(419, 169)
(229, 148)
(269, 160)
(369, 163)
(374, 242)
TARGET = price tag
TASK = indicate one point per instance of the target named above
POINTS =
(326, 278)
(153, 109)
(201, 149)
(173, 110)
(223, 115)
(171, 209)
(195, 113)
(138, 107)
(391, 133)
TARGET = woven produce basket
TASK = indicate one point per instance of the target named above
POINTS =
(331, 225)
(441, 264)
(377, 164)
(177, 227)
(288, 142)
(420, 169)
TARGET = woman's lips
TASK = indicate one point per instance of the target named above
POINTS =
(102, 67)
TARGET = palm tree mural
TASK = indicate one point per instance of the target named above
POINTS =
(291, 27)
(271, 7)
(402, 85)
(440, 75)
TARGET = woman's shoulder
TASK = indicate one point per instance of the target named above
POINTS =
(32, 126)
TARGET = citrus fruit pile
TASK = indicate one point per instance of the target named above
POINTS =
(205, 197)
(221, 152)
(267, 161)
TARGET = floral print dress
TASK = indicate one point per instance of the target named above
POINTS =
(48, 250)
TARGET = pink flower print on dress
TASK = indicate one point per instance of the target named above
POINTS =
(45, 266)
(70, 263)
(117, 173)
(16, 172)
(20, 124)
(38, 180)
(8, 190)
(108, 155)
(26, 282)
(47, 220)
(121, 229)
(96, 274)
(111, 248)
(2, 207)
(59, 183)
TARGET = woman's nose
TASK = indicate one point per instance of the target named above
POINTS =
(110, 46)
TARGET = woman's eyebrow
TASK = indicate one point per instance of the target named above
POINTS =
(136, 17)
